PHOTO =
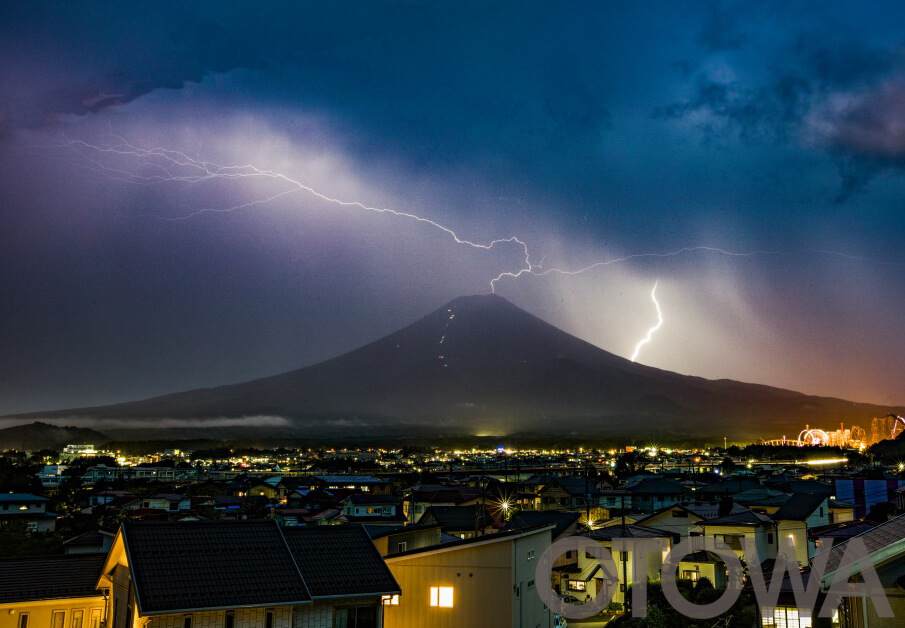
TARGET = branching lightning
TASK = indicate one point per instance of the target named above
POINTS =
(175, 166)
(162, 165)
(652, 330)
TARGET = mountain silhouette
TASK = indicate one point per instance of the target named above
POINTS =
(481, 365)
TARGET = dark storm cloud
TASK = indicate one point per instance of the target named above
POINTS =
(356, 58)
(816, 89)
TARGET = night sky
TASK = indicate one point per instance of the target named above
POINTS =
(592, 132)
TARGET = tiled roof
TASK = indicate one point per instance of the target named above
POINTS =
(49, 577)
(877, 538)
(339, 560)
(211, 564)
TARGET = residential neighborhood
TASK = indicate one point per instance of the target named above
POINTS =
(270, 540)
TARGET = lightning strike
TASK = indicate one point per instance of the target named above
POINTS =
(162, 165)
(652, 330)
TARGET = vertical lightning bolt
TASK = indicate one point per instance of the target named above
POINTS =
(652, 330)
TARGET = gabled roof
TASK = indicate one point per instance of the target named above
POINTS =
(574, 486)
(339, 561)
(632, 531)
(799, 507)
(211, 564)
(532, 518)
(700, 510)
(92, 537)
(456, 517)
(49, 577)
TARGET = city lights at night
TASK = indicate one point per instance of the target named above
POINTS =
(406, 314)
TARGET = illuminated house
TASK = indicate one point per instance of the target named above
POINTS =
(355, 483)
(372, 510)
(484, 581)
(796, 517)
(244, 574)
(422, 496)
(885, 544)
(575, 494)
(683, 519)
(733, 530)
(51, 592)
(28, 509)
(391, 541)
(587, 579)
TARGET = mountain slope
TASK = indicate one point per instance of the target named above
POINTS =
(482, 365)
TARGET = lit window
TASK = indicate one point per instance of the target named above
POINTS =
(578, 585)
(442, 597)
(390, 600)
(530, 554)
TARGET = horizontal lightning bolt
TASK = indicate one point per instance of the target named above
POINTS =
(166, 165)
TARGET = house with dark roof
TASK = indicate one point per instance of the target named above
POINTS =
(651, 493)
(372, 510)
(796, 517)
(422, 496)
(736, 529)
(28, 509)
(353, 483)
(482, 581)
(564, 523)
(885, 544)
(389, 541)
(51, 591)
(225, 574)
(91, 542)
(683, 519)
(573, 494)
(464, 522)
